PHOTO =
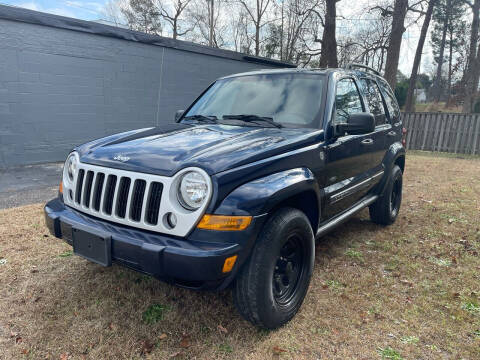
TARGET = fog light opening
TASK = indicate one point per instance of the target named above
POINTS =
(170, 220)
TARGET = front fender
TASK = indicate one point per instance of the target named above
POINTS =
(261, 195)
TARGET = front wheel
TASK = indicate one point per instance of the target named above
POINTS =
(271, 286)
(385, 210)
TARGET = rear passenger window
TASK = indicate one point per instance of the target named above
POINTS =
(374, 100)
(347, 100)
(392, 105)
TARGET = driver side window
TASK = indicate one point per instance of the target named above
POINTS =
(347, 101)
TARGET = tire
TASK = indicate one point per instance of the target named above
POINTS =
(272, 284)
(385, 210)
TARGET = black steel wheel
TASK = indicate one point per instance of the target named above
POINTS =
(272, 284)
(385, 210)
(289, 267)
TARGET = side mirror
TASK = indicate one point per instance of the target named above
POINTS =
(359, 123)
(178, 114)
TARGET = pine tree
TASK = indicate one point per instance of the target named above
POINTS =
(447, 19)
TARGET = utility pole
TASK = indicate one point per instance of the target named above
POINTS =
(210, 37)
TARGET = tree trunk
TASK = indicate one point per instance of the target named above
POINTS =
(175, 32)
(257, 39)
(210, 35)
(281, 37)
(410, 104)
(393, 51)
(472, 83)
(450, 65)
(438, 79)
(328, 58)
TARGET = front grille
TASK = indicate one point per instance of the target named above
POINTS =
(131, 198)
(121, 197)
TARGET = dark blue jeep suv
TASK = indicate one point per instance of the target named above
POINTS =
(237, 189)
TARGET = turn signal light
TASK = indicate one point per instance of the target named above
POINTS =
(224, 222)
(60, 187)
(229, 263)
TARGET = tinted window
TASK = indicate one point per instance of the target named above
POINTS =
(392, 106)
(293, 99)
(374, 100)
(347, 100)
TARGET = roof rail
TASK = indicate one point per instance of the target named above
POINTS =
(355, 65)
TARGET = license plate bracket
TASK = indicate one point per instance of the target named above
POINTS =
(95, 248)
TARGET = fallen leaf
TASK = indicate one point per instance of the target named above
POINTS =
(185, 343)
(222, 329)
(277, 350)
(163, 336)
(25, 351)
(64, 356)
(147, 347)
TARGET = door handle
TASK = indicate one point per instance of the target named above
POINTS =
(367, 142)
(391, 133)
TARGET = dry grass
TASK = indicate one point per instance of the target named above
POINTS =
(408, 291)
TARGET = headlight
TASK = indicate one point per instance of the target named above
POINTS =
(70, 168)
(192, 190)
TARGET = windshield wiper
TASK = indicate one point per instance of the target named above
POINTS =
(253, 119)
(211, 119)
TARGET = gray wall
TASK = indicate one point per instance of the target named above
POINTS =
(60, 88)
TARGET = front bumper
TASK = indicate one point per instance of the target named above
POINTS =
(195, 262)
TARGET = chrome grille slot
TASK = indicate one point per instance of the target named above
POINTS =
(122, 197)
(109, 194)
(98, 190)
(153, 205)
(88, 189)
(78, 191)
(137, 199)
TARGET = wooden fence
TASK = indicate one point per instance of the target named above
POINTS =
(448, 132)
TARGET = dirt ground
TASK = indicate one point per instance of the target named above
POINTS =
(408, 291)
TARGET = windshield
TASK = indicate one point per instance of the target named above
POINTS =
(290, 99)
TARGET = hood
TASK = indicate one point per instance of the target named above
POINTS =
(213, 147)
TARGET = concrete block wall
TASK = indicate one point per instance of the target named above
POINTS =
(60, 88)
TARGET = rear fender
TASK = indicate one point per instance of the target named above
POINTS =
(395, 151)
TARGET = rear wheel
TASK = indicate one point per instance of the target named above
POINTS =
(385, 210)
(271, 286)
